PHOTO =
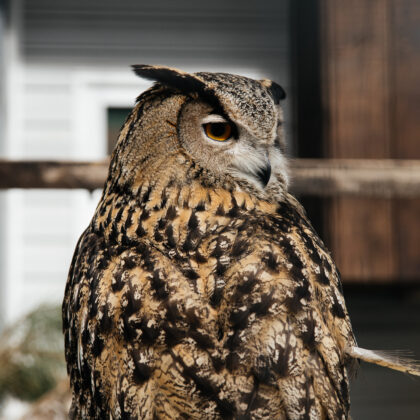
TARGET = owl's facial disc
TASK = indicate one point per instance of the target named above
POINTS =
(246, 161)
(227, 147)
(251, 162)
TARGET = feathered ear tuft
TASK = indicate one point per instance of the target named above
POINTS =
(184, 82)
(275, 90)
(173, 78)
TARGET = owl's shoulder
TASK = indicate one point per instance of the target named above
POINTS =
(278, 253)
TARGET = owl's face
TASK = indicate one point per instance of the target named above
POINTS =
(225, 145)
(230, 126)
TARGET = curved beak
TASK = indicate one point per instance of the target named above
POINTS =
(264, 173)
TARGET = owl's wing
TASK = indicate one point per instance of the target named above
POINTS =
(285, 322)
(252, 323)
(140, 341)
(248, 321)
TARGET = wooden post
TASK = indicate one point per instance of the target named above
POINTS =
(355, 56)
(405, 99)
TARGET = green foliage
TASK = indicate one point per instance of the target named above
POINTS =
(32, 354)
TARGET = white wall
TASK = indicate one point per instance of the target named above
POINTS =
(62, 115)
(67, 62)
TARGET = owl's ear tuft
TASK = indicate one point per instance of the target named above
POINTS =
(185, 82)
(168, 76)
(275, 90)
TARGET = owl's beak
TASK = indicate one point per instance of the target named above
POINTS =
(264, 173)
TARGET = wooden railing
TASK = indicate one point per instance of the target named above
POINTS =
(319, 177)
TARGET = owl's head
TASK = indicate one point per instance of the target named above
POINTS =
(228, 125)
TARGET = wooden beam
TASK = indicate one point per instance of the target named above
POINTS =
(320, 177)
(52, 174)
(356, 177)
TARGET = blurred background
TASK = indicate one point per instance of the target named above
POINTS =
(351, 69)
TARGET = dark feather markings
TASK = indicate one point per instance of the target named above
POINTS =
(141, 372)
(276, 92)
(344, 388)
(251, 279)
(193, 222)
(218, 251)
(308, 336)
(293, 303)
(172, 311)
(271, 262)
(129, 329)
(201, 206)
(149, 333)
(117, 282)
(106, 322)
(203, 341)
(140, 231)
(221, 268)
(239, 319)
(173, 334)
(220, 210)
(191, 274)
(216, 297)
(198, 257)
(171, 213)
(207, 388)
(233, 341)
(232, 361)
(263, 370)
(145, 214)
(158, 285)
(217, 363)
(161, 224)
(169, 231)
(239, 247)
(192, 318)
(337, 309)
(157, 235)
(98, 346)
(261, 308)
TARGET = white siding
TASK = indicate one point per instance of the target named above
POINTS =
(69, 63)
(62, 115)
(47, 118)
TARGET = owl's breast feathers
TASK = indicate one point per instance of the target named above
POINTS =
(197, 303)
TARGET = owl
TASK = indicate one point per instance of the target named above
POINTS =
(200, 289)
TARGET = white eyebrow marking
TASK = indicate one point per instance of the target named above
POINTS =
(213, 118)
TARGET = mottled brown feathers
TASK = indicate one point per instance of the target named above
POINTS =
(195, 292)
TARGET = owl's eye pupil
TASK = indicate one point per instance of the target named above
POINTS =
(219, 131)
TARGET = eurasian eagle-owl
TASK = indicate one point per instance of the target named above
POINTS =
(200, 289)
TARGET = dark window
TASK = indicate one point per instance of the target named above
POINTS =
(115, 120)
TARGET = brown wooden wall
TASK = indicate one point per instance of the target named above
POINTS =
(370, 55)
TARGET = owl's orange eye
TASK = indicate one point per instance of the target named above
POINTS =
(220, 131)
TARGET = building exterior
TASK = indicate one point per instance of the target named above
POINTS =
(66, 64)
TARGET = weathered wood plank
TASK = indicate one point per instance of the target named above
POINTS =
(320, 177)
(356, 177)
(356, 85)
(405, 61)
(52, 174)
